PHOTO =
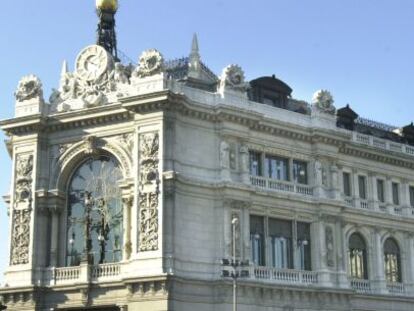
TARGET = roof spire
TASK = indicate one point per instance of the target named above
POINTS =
(194, 59)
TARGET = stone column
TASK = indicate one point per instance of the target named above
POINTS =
(244, 164)
(127, 249)
(336, 194)
(377, 266)
(54, 236)
(405, 197)
(342, 252)
(388, 195)
(355, 188)
(375, 199)
(371, 190)
(408, 274)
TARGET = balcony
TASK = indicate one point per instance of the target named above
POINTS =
(382, 144)
(284, 276)
(396, 288)
(84, 273)
(361, 286)
(281, 186)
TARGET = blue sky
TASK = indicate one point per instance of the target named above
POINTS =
(360, 50)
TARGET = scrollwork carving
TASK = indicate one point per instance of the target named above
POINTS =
(21, 216)
(148, 233)
(151, 63)
(148, 149)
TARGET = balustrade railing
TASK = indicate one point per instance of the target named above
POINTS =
(364, 204)
(65, 274)
(106, 270)
(382, 143)
(361, 286)
(284, 275)
(280, 185)
(396, 288)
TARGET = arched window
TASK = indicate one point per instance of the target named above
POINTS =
(94, 213)
(392, 261)
(357, 257)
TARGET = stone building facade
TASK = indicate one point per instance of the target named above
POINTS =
(126, 182)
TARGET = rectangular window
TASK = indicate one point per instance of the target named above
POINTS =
(255, 163)
(280, 232)
(276, 167)
(411, 196)
(303, 246)
(395, 193)
(300, 172)
(362, 184)
(257, 240)
(347, 184)
(380, 190)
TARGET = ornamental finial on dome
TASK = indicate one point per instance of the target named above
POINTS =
(107, 5)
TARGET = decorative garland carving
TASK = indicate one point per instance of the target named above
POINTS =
(148, 148)
(148, 233)
(148, 198)
(22, 211)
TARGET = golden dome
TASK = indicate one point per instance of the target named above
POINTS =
(107, 5)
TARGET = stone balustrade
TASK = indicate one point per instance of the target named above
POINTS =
(382, 144)
(284, 275)
(280, 185)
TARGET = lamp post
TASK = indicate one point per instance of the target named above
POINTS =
(236, 265)
(87, 228)
(2, 307)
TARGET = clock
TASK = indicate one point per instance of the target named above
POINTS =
(92, 62)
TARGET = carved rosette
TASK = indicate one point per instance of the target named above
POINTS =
(21, 218)
(149, 196)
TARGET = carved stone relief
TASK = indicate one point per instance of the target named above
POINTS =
(148, 233)
(149, 196)
(151, 63)
(29, 87)
(237, 235)
(329, 240)
(233, 78)
(224, 155)
(148, 149)
(323, 101)
(22, 211)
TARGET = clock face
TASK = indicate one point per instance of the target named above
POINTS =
(92, 62)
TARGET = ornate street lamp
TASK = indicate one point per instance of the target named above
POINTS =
(2, 307)
(237, 266)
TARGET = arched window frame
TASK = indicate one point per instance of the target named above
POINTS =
(357, 256)
(392, 261)
(75, 168)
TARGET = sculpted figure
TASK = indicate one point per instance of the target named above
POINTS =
(120, 74)
(224, 155)
(68, 86)
(323, 101)
(233, 78)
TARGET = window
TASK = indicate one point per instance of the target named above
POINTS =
(392, 261)
(257, 240)
(303, 246)
(395, 193)
(411, 189)
(277, 168)
(357, 256)
(255, 163)
(280, 232)
(284, 251)
(362, 184)
(94, 191)
(380, 190)
(300, 172)
(347, 184)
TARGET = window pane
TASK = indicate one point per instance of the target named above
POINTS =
(412, 196)
(277, 168)
(255, 163)
(357, 257)
(395, 193)
(380, 190)
(300, 172)
(362, 187)
(347, 184)
(257, 240)
(94, 193)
